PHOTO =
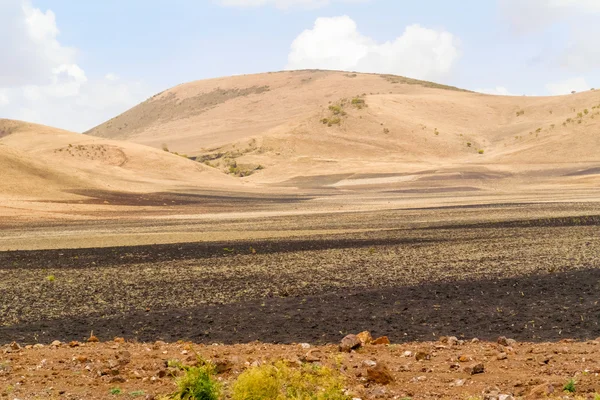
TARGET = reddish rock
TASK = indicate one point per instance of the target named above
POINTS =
(381, 340)
(365, 337)
(465, 358)
(379, 374)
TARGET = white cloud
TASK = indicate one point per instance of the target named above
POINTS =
(284, 4)
(579, 17)
(41, 77)
(4, 100)
(498, 90)
(528, 15)
(336, 43)
(578, 84)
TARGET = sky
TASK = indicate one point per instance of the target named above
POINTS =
(75, 64)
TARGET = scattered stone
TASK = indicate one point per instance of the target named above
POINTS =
(56, 343)
(313, 355)
(381, 340)
(365, 337)
(158, 344)
(465, 358)
(81, 359)
(407, 354)
(454, 367)
(452, 341)
(541, 391)
(379, 374)
(378, 392)
(223, 365)
(491, 394)
(74, 343)
(305, 345)
(119, 340)
(421, 355)
(506, 397)
(38, 346)
(123, 357)
(117, 379)
(369, 363)
(458, 383)
(476, 369)
(502, 356)
(350, 342)
(502, 340)
(475, 340)
(93, 339)
(14, 346)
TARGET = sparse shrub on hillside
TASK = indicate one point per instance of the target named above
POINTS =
(550, 111)
(50, 278)
(436, 132)
(579, 115)
(358, 102)
(165, 147)
(520, 112)
(480, 151)
(335, 109)
(279, 382)
(586, 111)
(468, 144)
(386, 130)
(334, 121)
(538, 130)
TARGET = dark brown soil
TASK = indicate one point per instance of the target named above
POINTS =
(533, 283)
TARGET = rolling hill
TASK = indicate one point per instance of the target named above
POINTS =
(308, 128)
(39, 162)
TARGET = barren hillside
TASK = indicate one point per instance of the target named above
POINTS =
(43, 162)
(288, 128)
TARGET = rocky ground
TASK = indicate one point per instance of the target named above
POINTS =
(449, 368)
(531, 273)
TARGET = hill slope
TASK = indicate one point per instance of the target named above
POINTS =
(308, 123)
(42, 162)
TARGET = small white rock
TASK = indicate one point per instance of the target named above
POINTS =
(305, 345)
(369, 363)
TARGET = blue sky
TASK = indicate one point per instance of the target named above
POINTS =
(75, 64)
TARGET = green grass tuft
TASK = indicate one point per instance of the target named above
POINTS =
(570, 386)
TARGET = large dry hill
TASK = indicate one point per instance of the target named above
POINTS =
(40, 163)
(314, 128)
